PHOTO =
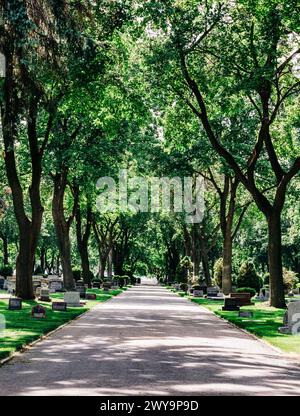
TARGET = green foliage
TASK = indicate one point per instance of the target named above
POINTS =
(246, 290)
(218, 270)
(38, 271)
(290, 279)
(248, 277)
(6, 271)
(184, 287)
(77, 273)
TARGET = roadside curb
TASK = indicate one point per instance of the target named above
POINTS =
(289, 356)
(48, 334)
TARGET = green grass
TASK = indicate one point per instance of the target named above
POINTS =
(22, 329)
(265, 322)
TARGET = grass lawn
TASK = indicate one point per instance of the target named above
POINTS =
(264, 324)
(22, 329)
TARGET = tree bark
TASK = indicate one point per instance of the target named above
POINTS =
(83, 239)
(62, 226)
(277, 298)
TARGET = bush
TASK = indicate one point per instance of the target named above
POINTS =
(290, 279)
(248, 277)
(6, 271)
(246, 290)
(218, 270)
(266, 278)
(38, 271)
(184, 287)
(77, 274)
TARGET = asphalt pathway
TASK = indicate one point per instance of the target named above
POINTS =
(150, 341)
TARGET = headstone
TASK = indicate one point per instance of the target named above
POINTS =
(72, 299)
(11, 287)
(14, 304)
(79, 283)
(2, 280)
(91, 296)
(242, 298)
(81, 290)
(264, 294)
(212, 291)
(96, 285)
(59, 306)
(44, 295)
(245, 314)
(38, 292)
(38, 311)
(55, 286)
(291, 319)
(230, 305)
(197, 293)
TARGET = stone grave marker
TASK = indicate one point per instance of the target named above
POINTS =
(2, 280)
(245, 314)
(11, 287)
(38, 311)
(72, 299)
(59, 306)
(44, 295)
(91, 296)
(197, 293)
(15, 304)
(212, 291)
(291, 319)
(81, 290)
(96, 285)
(242, 298)
(230, 304)
(55, 286)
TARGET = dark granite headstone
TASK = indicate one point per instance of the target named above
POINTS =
(14, 304)
(59, 306)
(230, 305)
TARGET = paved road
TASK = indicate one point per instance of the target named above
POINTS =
(149, 341)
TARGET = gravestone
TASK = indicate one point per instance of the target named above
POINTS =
(72, 299)
(2, 280)
(245, 314)
(38, 292)
(79, 283)
(212, 291)
(11, 287)
(91, 296)
(230, 305)
(38, 311)
(81, 290)
(96, 285)
(59, 306)
(55, 286)
(264, 294)
(197, 293)
(291, 319)
(44, 295)
(15, 304)
(242, 298)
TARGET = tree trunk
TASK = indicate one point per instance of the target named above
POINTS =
(62, 228)
(204, 256)
(83, 239)
(5, 249)
(277, 298)
(227, 264)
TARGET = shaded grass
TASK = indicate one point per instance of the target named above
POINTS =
(22, 329)
(264, 324)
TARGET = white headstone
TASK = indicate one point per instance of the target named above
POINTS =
(72, 298)
(292, 319)
(2, 65)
